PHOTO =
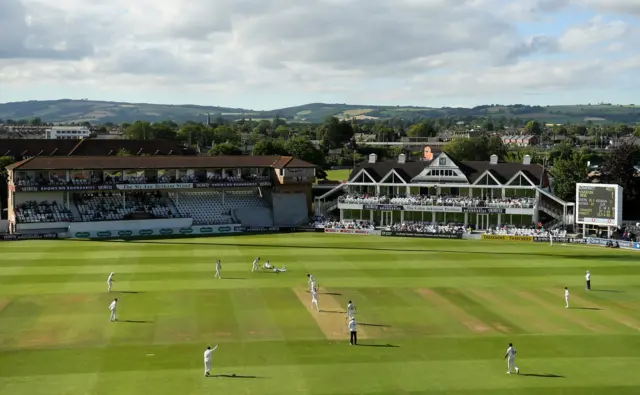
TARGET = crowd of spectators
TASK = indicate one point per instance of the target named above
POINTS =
(527, 231)
(34, 212)
(427, 227)
(455, 201)
(324, 223)
(141, 179)
(108, 206)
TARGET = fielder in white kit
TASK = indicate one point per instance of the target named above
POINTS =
(351, 311)
(218, 269)
(112, 307)
(311, 282)
(314, 299)
(207, 359)
(255, 267)
(511, 361)
(566, 297)
(110, 281)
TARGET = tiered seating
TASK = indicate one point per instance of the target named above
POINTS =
(348, 224)
(527, 231)
(457, 201)
(34, 212)
(426, 227)
(208, 208)
(107, 206)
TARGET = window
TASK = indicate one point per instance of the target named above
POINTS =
(443, 161)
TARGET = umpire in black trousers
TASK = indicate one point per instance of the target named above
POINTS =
(353, 330)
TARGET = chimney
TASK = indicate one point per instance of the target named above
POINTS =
(526, 160)
(373, 158)
(494, 159)
(402, 158)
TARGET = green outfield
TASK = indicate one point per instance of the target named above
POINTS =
(435, 317)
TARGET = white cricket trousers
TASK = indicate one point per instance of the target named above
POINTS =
(114, 317)
(218, 274)
(109, 283)
(511, 364)
(207, 367)
(567, 301)
(314, 302)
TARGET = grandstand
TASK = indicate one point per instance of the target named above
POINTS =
(128, 193)
(438, 189)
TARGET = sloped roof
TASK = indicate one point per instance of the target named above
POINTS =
(20, 148)
(503, 172)
(154, 162)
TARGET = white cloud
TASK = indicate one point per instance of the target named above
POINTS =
(594, 32)
(357, 49)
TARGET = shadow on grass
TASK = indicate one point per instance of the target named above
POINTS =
(599, 257)
(376, 325)
(333, 311)
(331, 293)
(379, 345)
(235, 376)
(544, 375)
(233, 278)
(608, 290)
(137, 321)
(586, 308)
(129, 292)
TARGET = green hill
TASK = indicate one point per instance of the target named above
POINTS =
(101, 111)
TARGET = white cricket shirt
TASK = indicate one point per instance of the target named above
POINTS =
(566, 293)
(110, 277)
(352, 326)
(588, 276)
(511, 352)
(207, 355)
(112, 306)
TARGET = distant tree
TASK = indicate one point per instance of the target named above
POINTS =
(423, 129)
(270, 147)
(35, 121)
(476, 148)
(533, 128)
(567, 173)
(225, 134)
(282, 131)
(335, 133)
(123, 152)
(303, 149)
(224, 149)
(637, 131)
(618, 168)
(623, 130)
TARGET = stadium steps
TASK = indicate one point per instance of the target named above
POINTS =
(74, 211)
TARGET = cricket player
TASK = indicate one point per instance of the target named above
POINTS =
(511, 359)
(218, 269)
(566, 297)
(255, 265)
(351, 311)
(112, 307)
(110, 281)
(550, 240)
(314, 299)
(207, 359)
(311, 282)
(281, 270)
(268, 265)
(353, 332)
(588, 278)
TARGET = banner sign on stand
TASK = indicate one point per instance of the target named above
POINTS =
(456, 236)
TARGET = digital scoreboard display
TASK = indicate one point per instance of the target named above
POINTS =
(598, 204)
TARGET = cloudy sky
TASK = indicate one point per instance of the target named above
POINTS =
(265, 54)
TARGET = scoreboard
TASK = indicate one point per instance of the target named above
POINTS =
(599, 204)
